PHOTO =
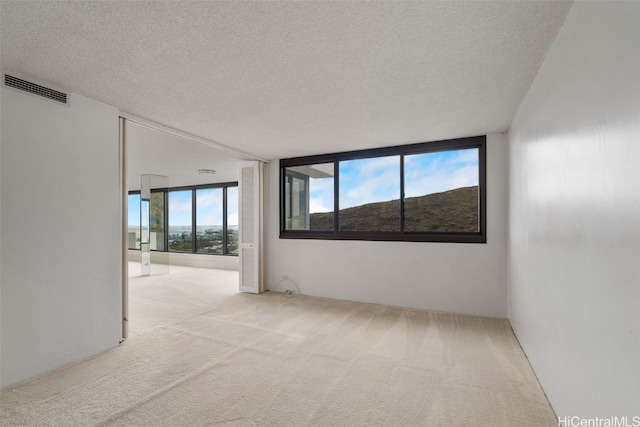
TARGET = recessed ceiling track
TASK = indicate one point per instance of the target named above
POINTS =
(36, 89)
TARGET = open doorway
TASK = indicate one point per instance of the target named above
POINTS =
(194, 219)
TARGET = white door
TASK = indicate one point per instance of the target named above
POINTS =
(250, 187)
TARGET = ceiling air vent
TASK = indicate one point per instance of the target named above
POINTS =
(34, 88)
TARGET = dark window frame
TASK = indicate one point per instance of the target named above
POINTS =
(480, 236)
(193, 188)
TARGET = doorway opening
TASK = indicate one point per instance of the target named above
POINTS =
(190, 221)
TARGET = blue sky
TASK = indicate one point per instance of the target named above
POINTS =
(378, 179)
(209, 207)
(208, 202)
(134, 210)
(361, 181)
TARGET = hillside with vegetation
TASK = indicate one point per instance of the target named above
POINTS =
(449, 211)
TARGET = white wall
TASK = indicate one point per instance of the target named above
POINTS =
(221, 262)
(60, 264)
(574, 265)
(453, 277)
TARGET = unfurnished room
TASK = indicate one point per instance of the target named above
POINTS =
(320, 213)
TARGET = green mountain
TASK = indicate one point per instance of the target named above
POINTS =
(453, 210)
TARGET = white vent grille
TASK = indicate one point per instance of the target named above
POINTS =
(36, 89)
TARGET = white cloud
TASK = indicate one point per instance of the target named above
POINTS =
(378, 179)
(438, 172)
(321, 195)
(233, 219)
(210, 218)
(319, 205)
(369, 180)
(180, 206)
(209, 207)
(209, 198)
(179, 210)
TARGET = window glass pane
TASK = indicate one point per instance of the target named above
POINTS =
(369, 194)
(133, 222)
(232, 220)
(309, 197)
(209, 237)
(441, 191)
(180, 221)
(156, 222)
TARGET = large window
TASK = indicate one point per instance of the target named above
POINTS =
(209, 212)
(421, 192)
(181, 221)
(200, 219)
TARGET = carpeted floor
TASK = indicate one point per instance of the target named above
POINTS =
(201, 354)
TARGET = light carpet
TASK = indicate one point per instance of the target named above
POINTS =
(202, 354)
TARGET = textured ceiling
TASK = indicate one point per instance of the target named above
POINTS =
(150, 151)
(282, 79)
